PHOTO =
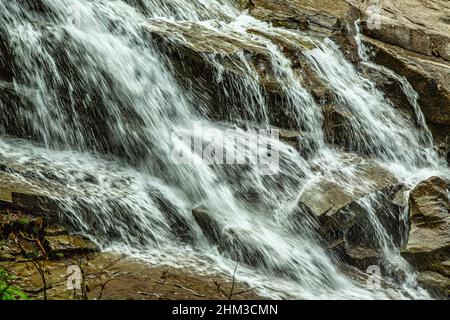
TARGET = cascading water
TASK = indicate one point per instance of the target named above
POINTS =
(89, 83)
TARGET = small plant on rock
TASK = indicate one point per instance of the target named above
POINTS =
(7, 290)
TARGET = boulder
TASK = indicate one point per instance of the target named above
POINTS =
(414, 25)
(208, 225)
(176, 221)
(428, 244)
(340, 211)
(429, 201)
(326, 197)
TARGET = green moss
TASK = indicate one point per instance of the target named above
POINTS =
(8, 291)
(23, 221)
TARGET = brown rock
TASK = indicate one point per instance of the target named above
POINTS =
(430, 78)
(414, 40)
(429, 236)
(414, 25)
(36, 204)
(68, 245)
(428, 246)
(435, 283)
(328, 198)
(318, 14)
(429, 201)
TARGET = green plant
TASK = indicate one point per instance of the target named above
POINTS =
(23, 221)
(7, 290)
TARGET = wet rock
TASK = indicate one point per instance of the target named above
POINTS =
(10, 249)
(362, 257)
(428, 245)
(86, 103)
(429, 236)
(413, 40)
(230, 242)
(291, 137)
(19, 247)
(442, 267)
(208, 225)
(68, 245)
(328, 197)
(336, 124)
(411, 25)
(195, 59)
(428, 77)
(55, 230)
(128, 279)
(195, 72)
(24, 236)
(429, 201)
(36, 204)
(177, 222)
(237, 247)
(344, 211)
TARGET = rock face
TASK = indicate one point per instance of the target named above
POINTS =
(206, 61)
(419, 26)
(411, 37)
(30, 219)
(430, 77)
(428, 246)
(322, 14)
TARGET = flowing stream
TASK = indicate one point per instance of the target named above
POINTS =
(100, 112)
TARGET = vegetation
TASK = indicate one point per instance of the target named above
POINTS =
(9, 291)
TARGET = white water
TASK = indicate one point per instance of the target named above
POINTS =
(98, 90)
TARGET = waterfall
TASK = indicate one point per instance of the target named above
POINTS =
(100, 115)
